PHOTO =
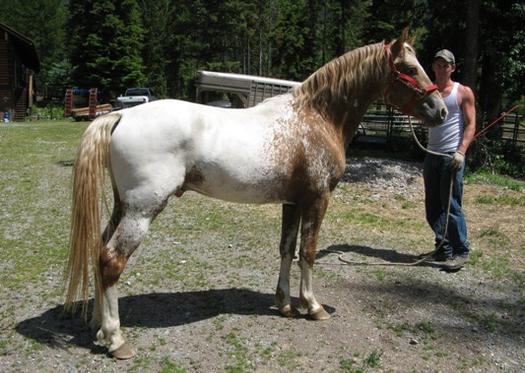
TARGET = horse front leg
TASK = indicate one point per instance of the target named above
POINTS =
(290, 227)
(312, 217)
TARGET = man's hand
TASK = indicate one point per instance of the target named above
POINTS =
(457, 161)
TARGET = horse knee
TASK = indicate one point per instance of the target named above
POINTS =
(112, 264)
(308, 255)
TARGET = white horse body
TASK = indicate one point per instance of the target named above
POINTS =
(233, 151)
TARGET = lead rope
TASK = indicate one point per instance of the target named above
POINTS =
(425, 256)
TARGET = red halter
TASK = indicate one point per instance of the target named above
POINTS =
(419, 93)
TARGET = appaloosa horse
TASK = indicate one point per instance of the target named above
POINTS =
(289, 149)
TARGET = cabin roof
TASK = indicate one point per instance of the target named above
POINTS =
(25, 47)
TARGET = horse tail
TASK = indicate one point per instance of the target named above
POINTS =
(85, 242)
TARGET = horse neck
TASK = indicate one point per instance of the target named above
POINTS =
(342, 90)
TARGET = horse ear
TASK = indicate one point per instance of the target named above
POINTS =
(404, 34)
(397, 47)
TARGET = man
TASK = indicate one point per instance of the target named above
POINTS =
(453, 137)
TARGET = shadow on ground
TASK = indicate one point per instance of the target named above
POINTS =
(156, 310)
(388, 256)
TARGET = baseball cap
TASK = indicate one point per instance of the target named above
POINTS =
(446, 55)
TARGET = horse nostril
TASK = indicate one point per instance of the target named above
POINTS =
(443, 113)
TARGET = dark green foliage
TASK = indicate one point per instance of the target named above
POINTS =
(309, 33)
(497, 156)
(213, 35)
(156, 15)
(105, 44)
(387, 17)
(294, 39)
(116, 44)
(504, 54)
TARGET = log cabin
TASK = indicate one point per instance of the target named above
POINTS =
(18, 63)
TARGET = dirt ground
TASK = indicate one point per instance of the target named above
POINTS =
(199, 295)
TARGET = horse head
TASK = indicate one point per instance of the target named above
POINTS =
(409, 88)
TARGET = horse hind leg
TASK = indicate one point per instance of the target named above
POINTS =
(129, 233)
(290, 228)
(132, 228)
(112, 224)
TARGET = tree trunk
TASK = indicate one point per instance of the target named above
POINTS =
(490, 95)
(471, 44)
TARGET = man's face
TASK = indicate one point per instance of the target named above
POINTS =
(442, 68)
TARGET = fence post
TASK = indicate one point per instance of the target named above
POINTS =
(68, 102)
(93, 102)
(515, 131)
(390, 112)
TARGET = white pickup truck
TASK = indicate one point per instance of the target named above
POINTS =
(133, 97)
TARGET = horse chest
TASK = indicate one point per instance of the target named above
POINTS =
(316, 163)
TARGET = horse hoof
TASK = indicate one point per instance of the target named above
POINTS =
(287, 311)
(320, 314)
(123, 352)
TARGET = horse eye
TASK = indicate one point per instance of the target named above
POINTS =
(412, 71)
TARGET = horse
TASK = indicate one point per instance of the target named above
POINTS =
(288, 150)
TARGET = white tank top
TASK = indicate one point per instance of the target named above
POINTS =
(447, 137)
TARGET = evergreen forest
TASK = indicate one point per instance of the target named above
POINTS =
(115, 44)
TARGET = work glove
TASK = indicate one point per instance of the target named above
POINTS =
(457, 161)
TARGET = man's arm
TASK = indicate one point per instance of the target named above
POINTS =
(468, 107)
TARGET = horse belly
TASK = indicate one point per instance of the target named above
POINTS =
(238, 184)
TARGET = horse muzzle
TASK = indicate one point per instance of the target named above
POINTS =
(432, 111)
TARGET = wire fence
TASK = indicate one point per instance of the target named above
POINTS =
(384, 125)
(513, 129)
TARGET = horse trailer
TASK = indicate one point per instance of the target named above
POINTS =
(241, 91)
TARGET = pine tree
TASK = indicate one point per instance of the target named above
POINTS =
(155, 19)
(294, 39)
(106, 44)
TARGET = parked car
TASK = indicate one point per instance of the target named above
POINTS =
(134, 96)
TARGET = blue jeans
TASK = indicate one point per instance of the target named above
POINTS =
(437, 176)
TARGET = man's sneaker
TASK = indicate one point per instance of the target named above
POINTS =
(456, 262)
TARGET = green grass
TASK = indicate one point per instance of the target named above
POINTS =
(489, 321)
(140, 364)
(238, 353)
(504, 199)
(380, 274)
(268, 352)
(169, 366)
(372, 220)
(356, 365)
(35, 199)
(475, 257)
(288, 359)
(424, 329)
(405, 204)
(494, 237)
(468, 364)
(485, 177)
